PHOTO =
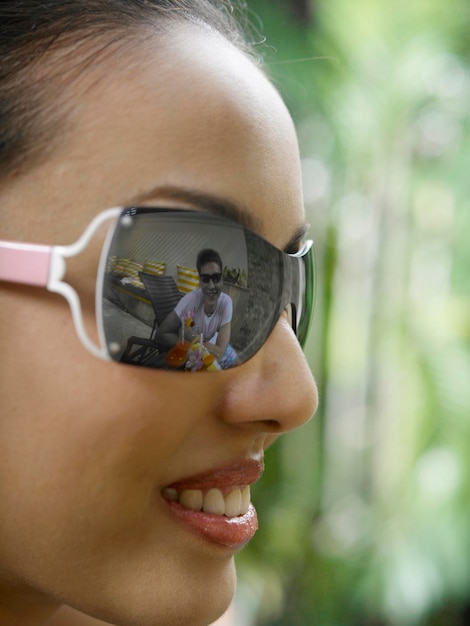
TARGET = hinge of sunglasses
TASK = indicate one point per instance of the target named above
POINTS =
(57, 285)
(57, 268)
(45, 266)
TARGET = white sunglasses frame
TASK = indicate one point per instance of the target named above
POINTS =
(45, 266)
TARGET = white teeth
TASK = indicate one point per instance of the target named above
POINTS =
(191, 499)
(235, 503)
(214, 502)
(246, 499)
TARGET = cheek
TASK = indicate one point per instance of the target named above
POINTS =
(77, 434)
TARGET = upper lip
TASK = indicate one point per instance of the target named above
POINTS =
(245, 472)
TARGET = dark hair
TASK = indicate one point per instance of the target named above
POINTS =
(208, 256)
(31, 111)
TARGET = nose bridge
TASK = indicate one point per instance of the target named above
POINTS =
(275, 389)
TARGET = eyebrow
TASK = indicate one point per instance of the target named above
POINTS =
(219, 206)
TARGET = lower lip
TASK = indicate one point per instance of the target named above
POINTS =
(229, 532)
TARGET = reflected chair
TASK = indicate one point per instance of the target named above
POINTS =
(164, 296)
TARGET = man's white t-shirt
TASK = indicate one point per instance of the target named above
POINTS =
(193, 303)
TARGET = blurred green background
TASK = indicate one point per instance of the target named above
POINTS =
(365, 512)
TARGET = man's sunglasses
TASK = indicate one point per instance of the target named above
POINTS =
(148, 263)
(207, 278)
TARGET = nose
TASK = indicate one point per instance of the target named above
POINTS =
(274, 391)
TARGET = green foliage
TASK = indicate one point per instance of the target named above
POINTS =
(365, 512)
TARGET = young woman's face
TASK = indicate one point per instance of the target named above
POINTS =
(90, 451)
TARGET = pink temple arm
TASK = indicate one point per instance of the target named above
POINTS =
(25, 263)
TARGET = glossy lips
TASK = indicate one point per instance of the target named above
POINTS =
(216, 504)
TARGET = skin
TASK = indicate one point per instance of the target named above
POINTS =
(211, 293)
(168, 333)
(211, 290)
(66, 616)
(86, 445)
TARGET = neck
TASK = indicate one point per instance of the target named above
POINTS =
(19, 608)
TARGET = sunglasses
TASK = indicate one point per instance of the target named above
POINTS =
(207, 278)
(147, 269)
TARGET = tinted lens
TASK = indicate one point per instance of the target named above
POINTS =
(150, 266)
(206, 278)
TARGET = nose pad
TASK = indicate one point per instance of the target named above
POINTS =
(275, 389)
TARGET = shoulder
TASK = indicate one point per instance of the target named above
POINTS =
(225, 299)
(191, 298)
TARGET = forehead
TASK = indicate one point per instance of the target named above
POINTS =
(183, 109)
(211, 266)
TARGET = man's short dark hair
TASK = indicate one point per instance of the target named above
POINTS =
(208, 256)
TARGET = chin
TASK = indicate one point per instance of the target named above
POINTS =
(202, 610)
(204, 614)
(193, 602)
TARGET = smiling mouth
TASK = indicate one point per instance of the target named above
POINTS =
(216, 504)
(234, 503)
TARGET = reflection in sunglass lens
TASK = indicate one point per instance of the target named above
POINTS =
(206, 278)
(151, 290)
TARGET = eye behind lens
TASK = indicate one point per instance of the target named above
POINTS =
(206, 278)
